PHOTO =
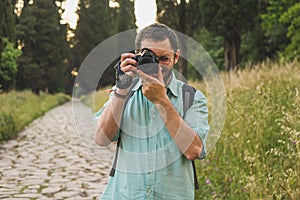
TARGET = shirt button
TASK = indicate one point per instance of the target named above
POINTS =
(149, 191)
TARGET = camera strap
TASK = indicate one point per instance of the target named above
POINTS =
(113, 169)
(188, 93)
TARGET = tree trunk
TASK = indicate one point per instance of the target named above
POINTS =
(232, 52)
(35, 90)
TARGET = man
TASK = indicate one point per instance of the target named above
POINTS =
(158, 140)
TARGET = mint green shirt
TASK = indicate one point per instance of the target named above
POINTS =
(150, 166)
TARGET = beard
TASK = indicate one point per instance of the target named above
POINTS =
(167, 73)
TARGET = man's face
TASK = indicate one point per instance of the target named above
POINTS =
(166, 54)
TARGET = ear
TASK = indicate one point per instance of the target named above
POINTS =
(176, 56)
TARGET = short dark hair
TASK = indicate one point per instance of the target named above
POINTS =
(156, 32)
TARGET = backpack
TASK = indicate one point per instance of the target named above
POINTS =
(188, 93)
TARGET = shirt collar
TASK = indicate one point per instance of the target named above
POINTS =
(172, 85)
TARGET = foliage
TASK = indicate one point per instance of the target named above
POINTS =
(7, 21)
(43, 41)
(8, 65)
(214, 47)
(230, 19)
(93, 26)
(255, 47)
(126, 18)
(18, 109)
(292, 18)
(257, 155)
(273, 26)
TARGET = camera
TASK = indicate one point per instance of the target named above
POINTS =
(147, 61)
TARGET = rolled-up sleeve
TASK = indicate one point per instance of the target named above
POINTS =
(197, 118)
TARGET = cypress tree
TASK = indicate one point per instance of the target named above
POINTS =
(44, 44)
(7, 22)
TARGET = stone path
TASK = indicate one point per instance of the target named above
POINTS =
(52, 160)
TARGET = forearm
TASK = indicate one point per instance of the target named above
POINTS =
(183, 135)
(109, 121)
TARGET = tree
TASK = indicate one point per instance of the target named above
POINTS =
(126, 18)
(7, 22)
(96, 23)
(181, 17)
(274, 29)
(8, 65)
(292, 18)
(255, 47)
(43, 39)
(230, 19)
(91, 31)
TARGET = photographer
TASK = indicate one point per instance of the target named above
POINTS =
(158, 139)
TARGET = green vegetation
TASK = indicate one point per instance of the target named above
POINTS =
(8, 64)
(96, 100)
(18, 109)
(257, 155)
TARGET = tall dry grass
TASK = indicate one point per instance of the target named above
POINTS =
(258, 153)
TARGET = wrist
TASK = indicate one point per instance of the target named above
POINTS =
(121, 93)
(164, 101)
(124, 81)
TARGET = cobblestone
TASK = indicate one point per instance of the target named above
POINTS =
(55, 157)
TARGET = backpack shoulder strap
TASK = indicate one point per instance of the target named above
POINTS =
(188, 93)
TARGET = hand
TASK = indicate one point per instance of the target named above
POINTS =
(128, 65)
(153, 88)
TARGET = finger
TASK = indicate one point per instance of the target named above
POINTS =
(129, 68)
(128, 61)
(145, 77)
(126, 55)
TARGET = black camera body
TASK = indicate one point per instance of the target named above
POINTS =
(147, 61)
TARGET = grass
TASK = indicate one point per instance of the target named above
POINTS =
(258, 153)
(97, 99)
(18, 109)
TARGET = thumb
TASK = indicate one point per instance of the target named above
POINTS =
(160, 75)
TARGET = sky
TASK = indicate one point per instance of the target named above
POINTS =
(145, 11)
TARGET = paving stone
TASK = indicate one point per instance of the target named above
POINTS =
(68, 194)
(5, 191)
(29, 196)
(51, 190)
(34, 187)
(32, 182)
